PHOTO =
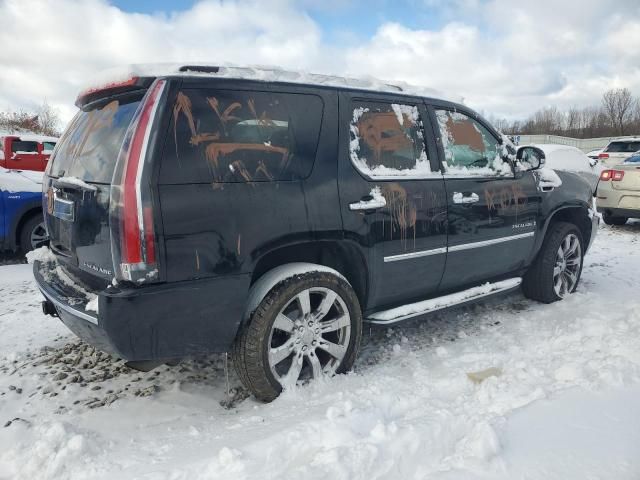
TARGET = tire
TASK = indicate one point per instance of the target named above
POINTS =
(275, 331)
(611, 220)
(541, 280)
(32, 234)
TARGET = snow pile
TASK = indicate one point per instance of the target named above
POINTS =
(14, 181)
(547, 178)
(259, 73)
(564, 406)
(571, 159)
(74, 181)
(41, 254)
(446, 301)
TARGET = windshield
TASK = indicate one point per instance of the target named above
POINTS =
(89, 147)
(623, 147)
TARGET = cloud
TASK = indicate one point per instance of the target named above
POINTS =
(506, 58)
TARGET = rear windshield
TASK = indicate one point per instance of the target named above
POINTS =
(89, 147)
(19, 146)
(623, 147)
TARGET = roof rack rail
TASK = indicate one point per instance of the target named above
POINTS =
(320, 78)
(199, 68)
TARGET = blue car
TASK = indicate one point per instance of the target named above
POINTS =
(635, 158)
(21, 224)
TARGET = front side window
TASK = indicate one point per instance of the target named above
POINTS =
(387, 140)
(48, 147)
(22, 147)
(469, 148)
(228, 136)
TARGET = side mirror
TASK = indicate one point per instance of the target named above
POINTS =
(530, 158)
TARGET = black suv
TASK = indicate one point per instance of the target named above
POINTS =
(202, 211)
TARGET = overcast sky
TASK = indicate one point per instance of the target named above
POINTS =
(504, 57)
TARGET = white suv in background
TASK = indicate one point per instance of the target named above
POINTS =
(619, 150)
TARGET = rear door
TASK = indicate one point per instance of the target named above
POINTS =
(392, 201)
(78, 183)
(492, 212)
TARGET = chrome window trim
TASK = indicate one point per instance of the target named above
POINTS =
(457, 248)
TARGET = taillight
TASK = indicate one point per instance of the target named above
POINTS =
(603, 155)
(613, 175)
(133, 240)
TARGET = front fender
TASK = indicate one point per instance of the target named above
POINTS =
(571, 201)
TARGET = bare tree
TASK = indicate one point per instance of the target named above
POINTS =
(618, 104)
(44, 121)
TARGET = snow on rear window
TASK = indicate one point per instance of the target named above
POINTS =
(387, 141)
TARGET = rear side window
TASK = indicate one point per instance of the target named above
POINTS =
(19, 146)
(231, 136)
(89, 147)
(623, 147)
(387, 140)
(469, 148)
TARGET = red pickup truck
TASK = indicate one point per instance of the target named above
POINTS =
(26, 152)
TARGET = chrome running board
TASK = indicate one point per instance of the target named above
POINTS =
(393, 315)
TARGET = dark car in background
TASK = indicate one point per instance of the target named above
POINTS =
(212, 211)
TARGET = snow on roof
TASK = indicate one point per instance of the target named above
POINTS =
(258, 73)
(28, 136)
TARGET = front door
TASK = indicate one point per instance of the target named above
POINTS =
(393, 202)
(493, 211)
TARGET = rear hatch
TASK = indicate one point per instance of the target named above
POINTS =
(77, 185)
(618, 151)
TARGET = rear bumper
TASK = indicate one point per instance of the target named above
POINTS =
(620, 212)
(158, 322)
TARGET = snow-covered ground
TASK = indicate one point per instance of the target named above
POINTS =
(554, 394)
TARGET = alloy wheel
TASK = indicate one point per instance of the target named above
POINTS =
(309, 337)
(567, 268)
(38, 236)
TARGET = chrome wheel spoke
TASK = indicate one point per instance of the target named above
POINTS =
(335, 350)
(326, 304)
(278, 354)
(571, 280)
(284, 323)
(335, 324)
(305, 302)
(316, 366)
(557, 270)
(293, 374)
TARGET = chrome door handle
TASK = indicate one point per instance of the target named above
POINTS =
(369, 202)
(465, 198)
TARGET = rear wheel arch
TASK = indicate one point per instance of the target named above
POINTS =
(341, 256)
